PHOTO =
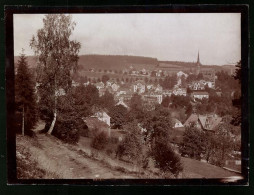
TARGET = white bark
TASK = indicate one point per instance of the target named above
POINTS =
(23, 120)
(54, 119)
(52, 124)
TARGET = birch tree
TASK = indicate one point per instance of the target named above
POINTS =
(57, 58)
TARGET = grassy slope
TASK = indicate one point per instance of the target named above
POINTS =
(47, 157)
(196, 169)
(65, 161)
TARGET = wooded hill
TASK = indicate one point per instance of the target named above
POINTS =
(121, 62)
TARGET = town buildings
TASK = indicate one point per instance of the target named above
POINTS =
(199, 95)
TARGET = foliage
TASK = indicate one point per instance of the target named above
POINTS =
(238, 72)
(226, 82)
(136, 108)
(224, 141)
(104, 78)
(165, 102)
(100, 140)
(67, 131)
(200, 76)
(157, 123)
(179, 101)
(165, 157)
(72, 108)
(25, 94)
(237, 118)
(57, 58)
(191, 78)
(117, 114)
(192, 144)
(131, 146)
(107, 100)
(169, 82)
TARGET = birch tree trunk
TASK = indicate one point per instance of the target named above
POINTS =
(55, 111)
(23, 120)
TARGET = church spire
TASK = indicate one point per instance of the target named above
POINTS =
(198, 61)
(198, 65)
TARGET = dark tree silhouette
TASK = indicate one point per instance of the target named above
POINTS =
(25, 95)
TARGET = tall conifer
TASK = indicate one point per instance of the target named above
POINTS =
(25, 95)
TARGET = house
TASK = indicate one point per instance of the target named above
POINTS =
(121, 102)
(158, 89)
(74, 83)
(158, 74)
(102, 91)
(115, 87)
(209, 122)
(122, 90)
(144, 71)
(177, 123)
(152, 97)
(205, 122)
(180, 91)
(124, 97)
(197, 85)
(109, 83)
(99, 85)
(86, 84)
(167, 93)
(180, 74)
(102, 116)
(150, 87)
(139, 87)
(199, 95)
(60, 92)
(210, 84)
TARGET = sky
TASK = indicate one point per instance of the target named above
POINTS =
(165, 36)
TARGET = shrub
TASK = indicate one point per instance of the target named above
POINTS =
(109, 151)
(99, 141)
(166, 159)
(67, 132)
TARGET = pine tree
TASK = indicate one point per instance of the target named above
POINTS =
(25, 95)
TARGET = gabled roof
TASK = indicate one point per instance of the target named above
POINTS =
(208, 122)
(212, 122)
(174, 120)
(193, 118)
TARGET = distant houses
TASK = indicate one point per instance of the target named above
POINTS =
(199, 95)
(139, 87)
(180, 91)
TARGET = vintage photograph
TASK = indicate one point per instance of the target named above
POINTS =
(107, 96)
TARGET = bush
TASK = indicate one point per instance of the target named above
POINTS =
(99, 141)
(67, 132)
(109, 151)
(166, 159)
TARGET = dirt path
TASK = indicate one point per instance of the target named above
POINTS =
(66, 161)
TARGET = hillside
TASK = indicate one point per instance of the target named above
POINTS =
(117, 62)
(121, 62)
(46, 157)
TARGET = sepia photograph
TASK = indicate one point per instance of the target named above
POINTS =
(127, 96)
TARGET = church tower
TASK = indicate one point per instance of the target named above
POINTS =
(198, 64)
